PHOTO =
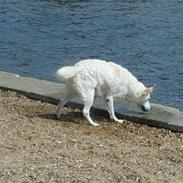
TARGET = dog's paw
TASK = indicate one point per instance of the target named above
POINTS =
(119, 121)
(95, 124)
(57, 116)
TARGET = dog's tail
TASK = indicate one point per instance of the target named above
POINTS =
(67, 72)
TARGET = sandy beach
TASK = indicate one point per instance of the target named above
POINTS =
(35, 147)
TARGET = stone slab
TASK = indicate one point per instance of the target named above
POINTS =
(160, 116)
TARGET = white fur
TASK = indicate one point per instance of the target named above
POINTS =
(93, 77)
(65, 73)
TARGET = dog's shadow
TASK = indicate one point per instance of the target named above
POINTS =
(75, 116)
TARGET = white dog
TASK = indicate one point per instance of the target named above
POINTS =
(91, 77)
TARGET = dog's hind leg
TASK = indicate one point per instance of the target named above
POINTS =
(88, 101)
(110, 106)
(60, 106)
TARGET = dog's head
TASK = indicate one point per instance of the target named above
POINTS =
(143, 100)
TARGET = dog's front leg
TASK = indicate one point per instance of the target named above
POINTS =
(110, 106)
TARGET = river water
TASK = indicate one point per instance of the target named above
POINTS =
(146, 36)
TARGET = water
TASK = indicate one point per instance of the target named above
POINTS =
(146, 36)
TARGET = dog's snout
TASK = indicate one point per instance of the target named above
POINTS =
(144, 109)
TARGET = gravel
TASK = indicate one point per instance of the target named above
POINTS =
(35, 147)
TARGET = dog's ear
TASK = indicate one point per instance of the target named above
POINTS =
(148, 90)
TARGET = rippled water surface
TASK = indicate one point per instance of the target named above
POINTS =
(146, 36)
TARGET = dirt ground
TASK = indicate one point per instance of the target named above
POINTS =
(35, 147)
